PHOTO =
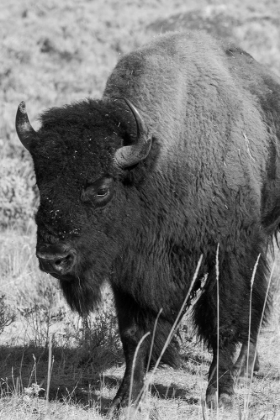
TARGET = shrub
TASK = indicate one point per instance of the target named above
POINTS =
(18, 194)
(7, 316)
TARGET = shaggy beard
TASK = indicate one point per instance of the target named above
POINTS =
(83, 293)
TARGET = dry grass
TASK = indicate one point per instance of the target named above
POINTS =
(54, 53)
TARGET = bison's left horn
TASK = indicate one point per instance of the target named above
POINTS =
(23, 126)
(130, 155)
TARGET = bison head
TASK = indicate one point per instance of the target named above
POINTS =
(82, 156)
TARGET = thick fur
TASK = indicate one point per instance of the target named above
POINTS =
(211, 178)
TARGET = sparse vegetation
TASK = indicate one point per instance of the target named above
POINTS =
(54, 53)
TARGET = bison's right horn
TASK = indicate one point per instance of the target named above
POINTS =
(23, 126)
(130, 155)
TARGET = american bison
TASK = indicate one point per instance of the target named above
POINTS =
(180, 158)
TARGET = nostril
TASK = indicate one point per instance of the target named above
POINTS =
(55, 263)
(63, 262)
(58, 263)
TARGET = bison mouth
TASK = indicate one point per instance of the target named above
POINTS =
(64, 278)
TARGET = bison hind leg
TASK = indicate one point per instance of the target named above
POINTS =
(247, 362)
(170, 356)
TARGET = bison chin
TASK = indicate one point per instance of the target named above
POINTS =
(82, 293)
(66, 278)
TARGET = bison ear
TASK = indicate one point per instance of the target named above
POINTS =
(128, 156)
(24, 129)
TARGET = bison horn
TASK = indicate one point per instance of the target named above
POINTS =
(130, 155)
(23, 126)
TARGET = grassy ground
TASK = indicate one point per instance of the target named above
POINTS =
(54, 53)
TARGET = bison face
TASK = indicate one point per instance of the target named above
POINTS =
(81, 155)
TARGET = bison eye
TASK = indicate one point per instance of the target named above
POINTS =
(102, 192)
(98, 193)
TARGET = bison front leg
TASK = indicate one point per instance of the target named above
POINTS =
(135, 347)
(220, 385)
(135, 356)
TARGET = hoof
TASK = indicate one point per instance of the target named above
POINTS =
(120, 410)
(114, 408)
(128, 413)
(213, 402)
(226, 401)
(248, 373)
(242, 374)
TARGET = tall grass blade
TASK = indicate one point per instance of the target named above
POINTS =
(218, 324)
(153, 339)
(246, 401)
(49, 373)
(133, 369)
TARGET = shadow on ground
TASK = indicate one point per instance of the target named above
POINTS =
(77, 375)
(91, 377)
(75, 372)
(158, 390)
